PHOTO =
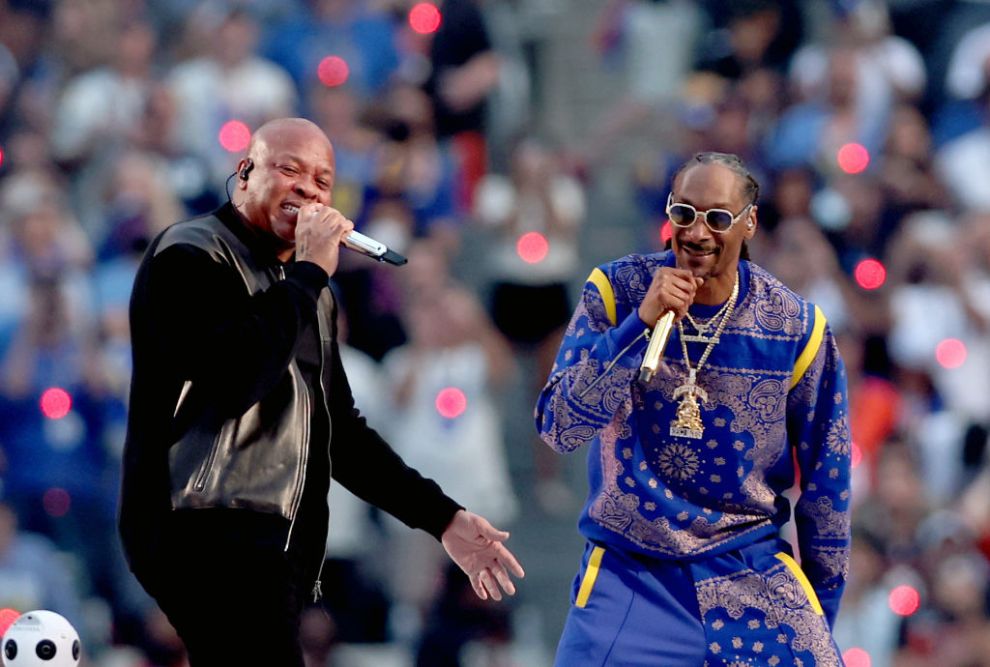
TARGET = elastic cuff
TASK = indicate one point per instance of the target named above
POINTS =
(441, 516)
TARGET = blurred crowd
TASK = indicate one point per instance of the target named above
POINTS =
(867, 122)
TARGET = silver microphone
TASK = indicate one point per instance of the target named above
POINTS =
(366, 245)
(654, 351)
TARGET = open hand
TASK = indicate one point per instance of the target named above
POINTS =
(476, 546)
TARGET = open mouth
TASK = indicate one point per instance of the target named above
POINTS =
(291, 209)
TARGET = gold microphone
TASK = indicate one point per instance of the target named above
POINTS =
(654, 351)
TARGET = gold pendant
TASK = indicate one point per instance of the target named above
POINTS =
(700, 338)
(688, 423)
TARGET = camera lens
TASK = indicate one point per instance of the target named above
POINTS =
(45, 649)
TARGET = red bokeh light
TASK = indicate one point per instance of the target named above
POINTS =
(451, 402)
(853, 158)
(532, 247)
(7, 618)
(951, 353)
(666, 232)
(856, 657)
(856, 455)
(425, 18)
(234, 136)
(904, 600)
(333, 71)
(1, 156)
(870, 274)
(55, 403)
(56, 502)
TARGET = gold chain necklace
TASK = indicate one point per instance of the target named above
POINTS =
(688, 423)
(703, 328)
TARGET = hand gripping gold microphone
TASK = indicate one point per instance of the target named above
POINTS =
(654, 351)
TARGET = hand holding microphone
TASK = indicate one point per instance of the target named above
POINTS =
(320, 232)
(667, 300)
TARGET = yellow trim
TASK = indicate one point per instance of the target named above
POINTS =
(588, 582)
(600, 281)
(803, 580)
(810, 350)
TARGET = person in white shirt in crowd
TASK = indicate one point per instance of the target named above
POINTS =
(963, 165)
(530, 301)
(889, 67)
(443, 416)
(227, 82)
(946, 289)
(99, 112)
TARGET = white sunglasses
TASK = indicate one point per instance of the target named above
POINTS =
(718, 220)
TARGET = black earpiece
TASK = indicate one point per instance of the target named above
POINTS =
(248, 166)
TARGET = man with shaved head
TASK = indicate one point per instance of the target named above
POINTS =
(240, 414)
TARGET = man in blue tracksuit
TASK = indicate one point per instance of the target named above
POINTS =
(684, 563)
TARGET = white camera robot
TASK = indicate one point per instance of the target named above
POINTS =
(40, 639)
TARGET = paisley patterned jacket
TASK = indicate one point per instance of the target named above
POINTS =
(773, 410)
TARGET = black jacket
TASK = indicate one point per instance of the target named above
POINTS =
(219, 413)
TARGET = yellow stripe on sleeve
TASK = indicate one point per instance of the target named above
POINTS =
(588, 581)
(600, 281)
(810, 350)
(802, 578)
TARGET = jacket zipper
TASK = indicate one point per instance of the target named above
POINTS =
(200, 482)
(317, 592)
(317, 586)
(297, 494)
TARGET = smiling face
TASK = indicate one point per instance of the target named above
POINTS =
(293, 165)
(705, 253)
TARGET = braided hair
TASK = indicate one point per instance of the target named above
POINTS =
(732, 162)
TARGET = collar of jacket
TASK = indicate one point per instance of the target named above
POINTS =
(261, 248)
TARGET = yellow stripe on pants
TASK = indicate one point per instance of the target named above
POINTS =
(588, 582)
